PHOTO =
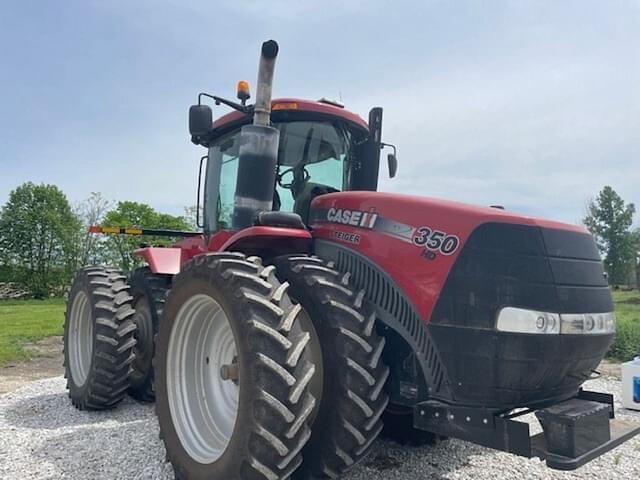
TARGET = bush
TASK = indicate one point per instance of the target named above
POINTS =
(627, 342)
(6, 273)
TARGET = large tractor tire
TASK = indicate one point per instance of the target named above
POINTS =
(149, 291)
(98, 338)
(353, 397)
(232, 373)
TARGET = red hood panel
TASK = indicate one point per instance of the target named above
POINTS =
(416, 240)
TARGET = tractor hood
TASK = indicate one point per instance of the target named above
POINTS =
(412, 209)
(466, 287)
(401, 231)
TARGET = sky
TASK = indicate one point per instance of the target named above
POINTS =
(534, 105)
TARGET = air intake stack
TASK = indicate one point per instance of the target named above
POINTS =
(258, 149)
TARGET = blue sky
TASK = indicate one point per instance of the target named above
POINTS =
(534, 105)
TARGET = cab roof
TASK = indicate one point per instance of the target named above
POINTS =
(291, 107)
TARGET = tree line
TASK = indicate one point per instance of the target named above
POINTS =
(610, 220)
(44, 239)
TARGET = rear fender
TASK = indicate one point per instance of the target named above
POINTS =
(266, 242)
(162, 260)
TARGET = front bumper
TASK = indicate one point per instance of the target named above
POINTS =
(507, 370)
(574, 431)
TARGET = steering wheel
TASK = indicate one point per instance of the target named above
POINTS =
(295, 171)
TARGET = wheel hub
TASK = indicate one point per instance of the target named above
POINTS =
(230, 371)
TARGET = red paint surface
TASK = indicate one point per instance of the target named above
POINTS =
(264, 234)
(269, 241)
(218, 239)
(162, 260)
(303, 105)
(419, 278)
(275, 240)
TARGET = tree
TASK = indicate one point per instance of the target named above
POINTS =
(192, 215)
(91, 212)
(636, 250)
(38, 233)
(132, 214)
(609, 220)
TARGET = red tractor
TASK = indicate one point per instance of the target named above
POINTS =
(311, 307)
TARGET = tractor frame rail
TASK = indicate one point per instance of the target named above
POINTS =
(574, 431)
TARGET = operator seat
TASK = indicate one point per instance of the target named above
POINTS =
(279, 219)
(303, 199)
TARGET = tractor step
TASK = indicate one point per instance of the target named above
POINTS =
(574, 431)
(619, 430)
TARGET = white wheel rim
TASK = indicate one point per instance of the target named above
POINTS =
(80, 343)
(203, 406)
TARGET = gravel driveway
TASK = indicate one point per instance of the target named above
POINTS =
(43, 437)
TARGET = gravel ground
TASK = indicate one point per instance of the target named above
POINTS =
(43, 437)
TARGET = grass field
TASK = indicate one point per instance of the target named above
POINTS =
(627, 343)
(23, 321)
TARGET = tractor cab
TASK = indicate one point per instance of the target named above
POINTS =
(322, 148)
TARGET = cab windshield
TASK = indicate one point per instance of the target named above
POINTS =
(313, 158)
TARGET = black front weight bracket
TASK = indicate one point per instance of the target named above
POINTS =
(574, 431)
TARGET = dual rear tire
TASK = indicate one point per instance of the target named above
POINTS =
(110, 326)
(98, 338)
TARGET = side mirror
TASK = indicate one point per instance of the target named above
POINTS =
(393, 164)
(392, 159)
(200, 120)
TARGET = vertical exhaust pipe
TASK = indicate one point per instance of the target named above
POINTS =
(258, 149)
(262, 109)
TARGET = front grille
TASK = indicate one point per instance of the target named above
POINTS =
(527, 267)
(522, 266)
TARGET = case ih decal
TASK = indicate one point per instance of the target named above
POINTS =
(357, 218)
(432, 239)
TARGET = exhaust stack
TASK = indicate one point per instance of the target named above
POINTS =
(262, 109)
(258, 149)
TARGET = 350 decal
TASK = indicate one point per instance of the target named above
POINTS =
(436, 240)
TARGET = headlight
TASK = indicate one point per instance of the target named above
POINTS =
(587, 323)
(521, 320)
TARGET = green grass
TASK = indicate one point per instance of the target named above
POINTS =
(627, 343)
(23, 321)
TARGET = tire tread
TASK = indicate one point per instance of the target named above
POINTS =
(350, 419)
